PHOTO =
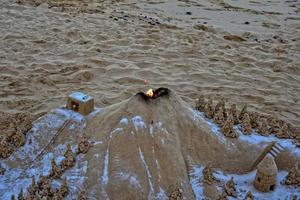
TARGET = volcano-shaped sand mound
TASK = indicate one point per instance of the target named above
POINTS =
(141, 148)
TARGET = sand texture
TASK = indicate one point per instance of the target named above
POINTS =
(245, 51)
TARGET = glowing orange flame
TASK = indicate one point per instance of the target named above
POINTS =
(149, 93)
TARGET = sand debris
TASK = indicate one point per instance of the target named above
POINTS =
(69, 160)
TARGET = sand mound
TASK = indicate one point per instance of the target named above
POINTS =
(141, 148)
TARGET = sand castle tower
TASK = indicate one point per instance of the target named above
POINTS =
(80, 102)
(266, 174)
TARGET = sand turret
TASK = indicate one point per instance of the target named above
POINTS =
(200, 104)
(293, 177)
(209, 111)
(69, 160)
(266, 175)
(227, 128)
(33, 187)
(233, 111)
(20, 195)
(263, 127)
(64, 190)
(230, 188)
(208, 176)
(219, 117)
(249, 196)
(220, 106)
(83, 145)
(4, 152)
(242, 113)
(283, 131)
(254, 119)
(246, 125)
(55, 170)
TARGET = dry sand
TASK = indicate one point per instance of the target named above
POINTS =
(245, 51)
(111, 50)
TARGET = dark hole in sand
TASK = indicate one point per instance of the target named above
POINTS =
(160, 92)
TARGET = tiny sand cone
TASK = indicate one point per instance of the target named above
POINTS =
(283, 131)
(69, 160)
(245, 125)
(64, 190)
(4, 152)
(200, 104)
(249, 196)
(263, 127)
(55, 171)
(219, 117)
(230, 188)
(208, 176)
(220, 106)
(33, 187)
(242, 113)
(176, 195)
(83, 145)
(222, 196)
(20, 195)
(254, 119)
(293, 177)
(233, 111)
(209, 111)
(227, 128)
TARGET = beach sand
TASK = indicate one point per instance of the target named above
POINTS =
(113, 49)
(246, 52)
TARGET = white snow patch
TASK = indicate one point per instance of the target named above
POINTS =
(131, 178)
(161, 195)
(195, 176)
(257, 139)
(138, 123)
(104, 178)
(147, 170)
(199, 116)
(124, 121)
(114, 131)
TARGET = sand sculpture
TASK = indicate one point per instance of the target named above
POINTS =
(81, 103)
(138, 147)
(266, 175)
(246, 124)
(230, 188)
(293, 177)
(249, 196)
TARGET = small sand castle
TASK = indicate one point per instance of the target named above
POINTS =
(266, 175)
(249, 196)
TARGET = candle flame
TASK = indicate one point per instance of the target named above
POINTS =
(149, 93)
